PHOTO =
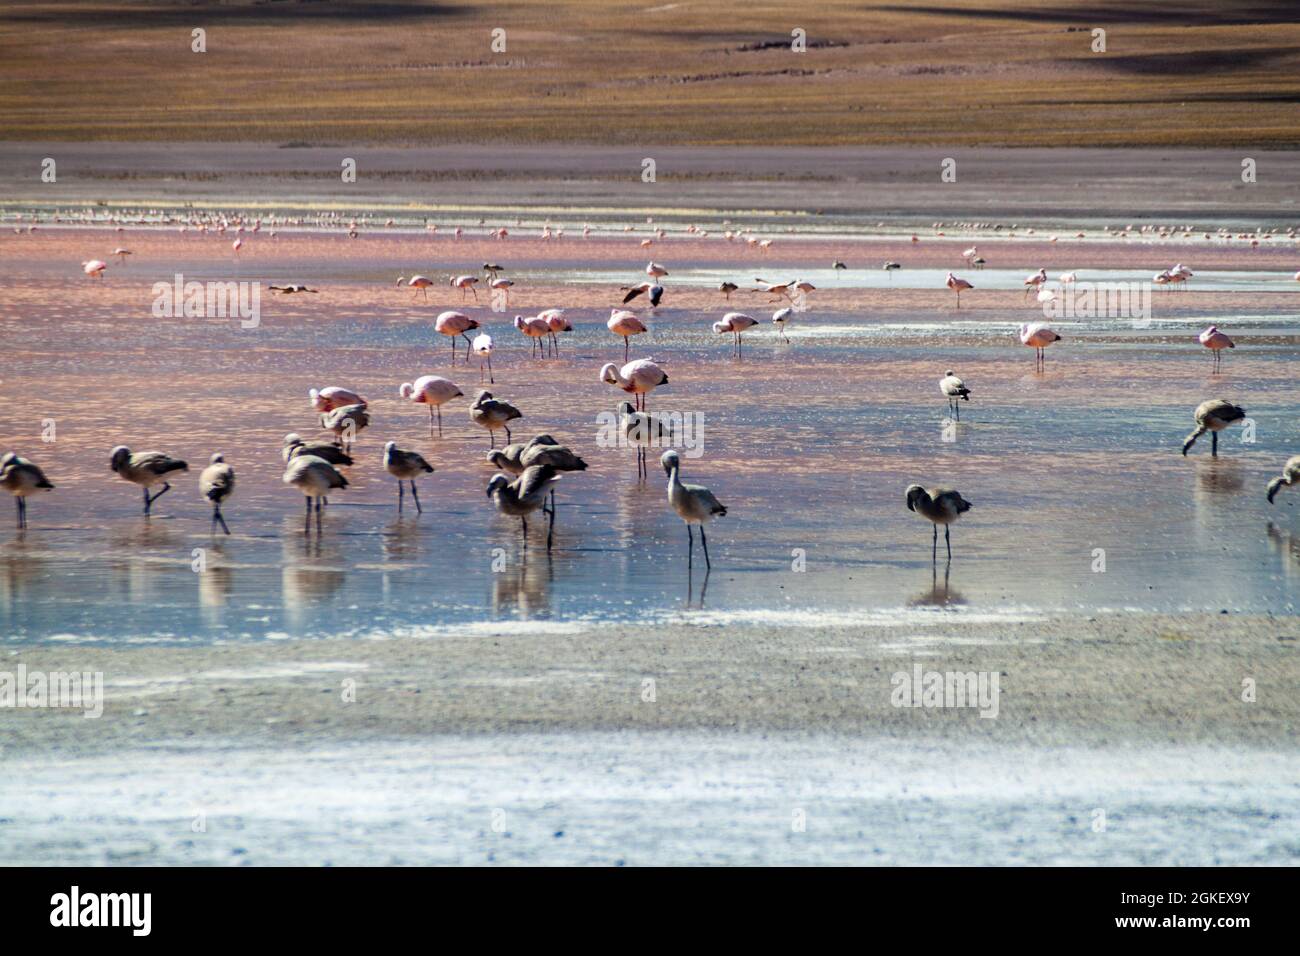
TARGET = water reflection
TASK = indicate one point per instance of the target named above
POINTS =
(939, 594)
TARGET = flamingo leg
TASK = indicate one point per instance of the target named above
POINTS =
(218, 519)
(416, 495)
(1214, 444)
(430, 419)
(704, 539)
(626, 348)
(934, 546)
(439, 407)
(690, 547)
(947, 540)
(401, 495)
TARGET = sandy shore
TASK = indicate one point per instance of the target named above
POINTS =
(1110, 680)
(1009, 185)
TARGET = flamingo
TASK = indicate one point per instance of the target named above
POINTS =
(535, 329)
(939, 506)
(735, 323)
(1038, 336)
(94, 268)
(777, 290)
(503, 286)
(331, 451)
(655, 271)
(452, 324)
(1213, 416)
(332, 397)
(315, 478)
(955, 390)
(237, 245)
(121, 254)
(346, 420)
(21, 478)
(492, 269)
(465, 283)
(555, 323)
(487, 412)
(1290, 476)
(957, 285)
(433, 391)
(146, 469)
(1035, 281)
(482, 346)
(653, 289)
(524, 495)
(726, 288)
(1216, 342)
(638, 378)
(217, 483)
(420, 283)
(780, 317)
(694, 504)
(405, 466)
(624, 323)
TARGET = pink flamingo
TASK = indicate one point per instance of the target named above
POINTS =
(1035, 281)
(503, 286)
(419, 283)
(535, 328)
(237, 245)
(655, 271)
(432, 391)
(94, 268)
(465, 283)
(957, 285)
(735, 323)
(332, 397)
(1216, 342)
(452, 324)
(1038, 336)
(624, 323)
(556, 323)
(638, 378)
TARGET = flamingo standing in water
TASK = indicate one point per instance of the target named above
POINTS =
(465, 283)
(957, 285)
(638, 378)
(735, 323)
(94, 268)
(1035, 282)
(237, 245)
(483, 349)
(780, 317)
(624, 323)
(556, 323)
(332, 397)
(1037, 336)
(452, 324)
(655, 271)
(1216, 342)
(503, 286)
(419, 283)
(433, 391)
(535, 328)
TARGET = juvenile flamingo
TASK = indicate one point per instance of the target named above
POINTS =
(955, 390)
(405, 466)
(939, 506)
(21, 478)
(1290, 476)
(1216, 342)
(487, 412)
(624, 323)
(1213, 416)
(1038, 337)
(315, 478)
(146, 469)
(957, 285)
(452, 324)
(217, 483)
(735, 323)
(433, 391)
(694, 504)
(482, 346)
(524, 495)
(638, 378)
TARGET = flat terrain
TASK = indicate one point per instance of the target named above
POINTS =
(1196, 72)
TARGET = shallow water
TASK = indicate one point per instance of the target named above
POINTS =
(653, 799)
(810, 445)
